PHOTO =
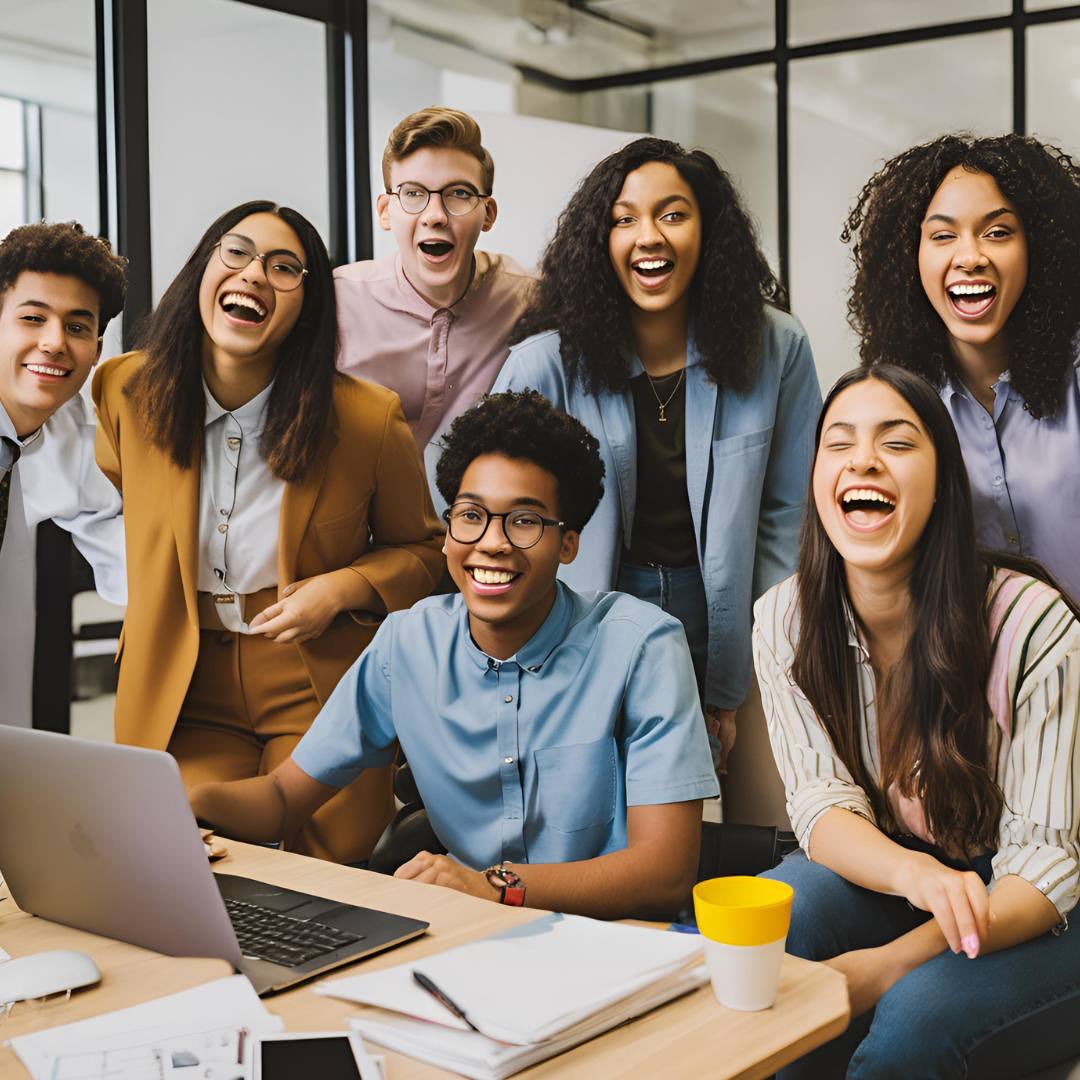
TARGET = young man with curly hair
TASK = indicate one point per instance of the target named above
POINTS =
(967, 272)
(431, 322)
(59, 288)
(556, 739)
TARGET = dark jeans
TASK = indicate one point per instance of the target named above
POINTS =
(680, 592)
(993, 1018)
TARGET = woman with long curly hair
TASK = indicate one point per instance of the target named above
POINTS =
(660, 326)
(274, 511)
(967, 257)
(923, 700)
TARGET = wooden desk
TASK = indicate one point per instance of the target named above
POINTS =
(691, 1038)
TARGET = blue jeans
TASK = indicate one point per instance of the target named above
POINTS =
(680, 592)
(993, 1018)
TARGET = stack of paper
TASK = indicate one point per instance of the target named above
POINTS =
(205, 1022)
(533, 991)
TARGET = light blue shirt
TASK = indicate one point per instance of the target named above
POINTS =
(1024, 474)
(748, 460)
(531, 759)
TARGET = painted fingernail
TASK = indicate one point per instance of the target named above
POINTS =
(970, 945)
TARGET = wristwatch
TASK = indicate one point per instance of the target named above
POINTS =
(510, 887)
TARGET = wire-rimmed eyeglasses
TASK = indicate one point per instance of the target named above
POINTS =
(468, 522)
(283, 270)
(457, 199)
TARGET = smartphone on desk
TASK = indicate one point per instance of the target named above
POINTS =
(328, 1055)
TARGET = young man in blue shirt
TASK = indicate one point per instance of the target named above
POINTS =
(556, 738)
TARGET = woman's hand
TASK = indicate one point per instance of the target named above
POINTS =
(720, 723)
(958, 900)
(869, 976)
(450, 874)
(306, 609)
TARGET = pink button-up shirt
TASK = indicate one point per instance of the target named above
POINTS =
(439, 361)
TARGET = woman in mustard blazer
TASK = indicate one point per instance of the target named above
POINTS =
(274, 511)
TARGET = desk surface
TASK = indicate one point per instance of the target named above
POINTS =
(693, 1037)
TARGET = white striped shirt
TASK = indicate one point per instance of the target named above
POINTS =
(1034, 694)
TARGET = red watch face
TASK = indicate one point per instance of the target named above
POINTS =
(514, 897)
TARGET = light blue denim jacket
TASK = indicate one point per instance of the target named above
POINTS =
(748, 460)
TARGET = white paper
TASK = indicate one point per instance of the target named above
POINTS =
(118, 1041)
(480, 1058)
(4, 956)
(564, 968)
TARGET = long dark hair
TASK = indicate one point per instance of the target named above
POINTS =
(579, 295)
(166, 392)
(932, 708)
(888, 307)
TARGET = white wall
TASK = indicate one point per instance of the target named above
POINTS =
(238, 111)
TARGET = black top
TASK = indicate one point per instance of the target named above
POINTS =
(663, 524)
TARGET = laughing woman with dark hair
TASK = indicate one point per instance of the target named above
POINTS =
(967, 257)
(660, 326)
(275, 511)
(923, 700)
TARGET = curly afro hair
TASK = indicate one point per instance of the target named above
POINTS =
(65, 248)
(579, 295)
(888, 307)
(525, 426)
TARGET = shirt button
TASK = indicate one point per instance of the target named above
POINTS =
(997, 479)
(234, 443)
(223, 528)
(508, 760)
(508, 699)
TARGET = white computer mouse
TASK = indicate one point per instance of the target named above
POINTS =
(46, 973)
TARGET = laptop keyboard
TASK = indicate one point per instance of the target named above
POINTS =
(266, 935)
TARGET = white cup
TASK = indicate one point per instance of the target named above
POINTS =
(745, 977)
(744, 921)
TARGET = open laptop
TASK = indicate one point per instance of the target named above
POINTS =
(102, 838)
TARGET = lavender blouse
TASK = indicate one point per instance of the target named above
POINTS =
(1025, 474)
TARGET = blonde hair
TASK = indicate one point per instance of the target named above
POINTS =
(437, 127)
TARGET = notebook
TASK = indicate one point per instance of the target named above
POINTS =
(570, 979)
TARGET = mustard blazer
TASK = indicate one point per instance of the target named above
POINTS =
(365, 503)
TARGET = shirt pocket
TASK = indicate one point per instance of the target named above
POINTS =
(737, 445)
(577, 785)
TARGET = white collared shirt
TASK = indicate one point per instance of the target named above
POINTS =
(239, 501)
(55, 477)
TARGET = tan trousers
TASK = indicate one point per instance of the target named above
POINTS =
(249, 703)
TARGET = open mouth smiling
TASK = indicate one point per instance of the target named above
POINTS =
(491, 580)
(971, 299)
(243, 309)
(866, 508)
(652, 273)
(51, 371)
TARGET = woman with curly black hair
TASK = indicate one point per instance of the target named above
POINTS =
(967, 256)
(660, 326)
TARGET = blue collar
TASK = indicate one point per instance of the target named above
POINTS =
(534, 653)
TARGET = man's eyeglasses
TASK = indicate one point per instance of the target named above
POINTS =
(468, 522)
(283, 270)
(457, 199)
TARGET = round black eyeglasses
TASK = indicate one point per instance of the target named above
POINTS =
(457, 199)
(283, 270)
(468, 522)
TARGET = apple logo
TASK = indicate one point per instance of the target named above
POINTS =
(83, 843)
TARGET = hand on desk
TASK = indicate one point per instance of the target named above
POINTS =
(442, 870)
(306, 609)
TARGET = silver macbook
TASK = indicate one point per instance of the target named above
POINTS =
(102, 838)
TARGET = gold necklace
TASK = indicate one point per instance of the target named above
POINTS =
(664, 404)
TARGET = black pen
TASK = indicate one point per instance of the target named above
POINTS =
(443, 1000)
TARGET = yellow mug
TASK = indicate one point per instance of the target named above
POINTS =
(744, 921)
